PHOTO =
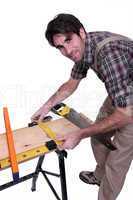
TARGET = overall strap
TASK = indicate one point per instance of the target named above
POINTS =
(105, 41)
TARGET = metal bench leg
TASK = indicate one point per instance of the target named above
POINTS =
(61, 155)
(36, 173)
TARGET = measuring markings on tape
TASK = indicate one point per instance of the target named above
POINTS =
(21, 157)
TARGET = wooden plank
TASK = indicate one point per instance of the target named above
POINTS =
(31, 137)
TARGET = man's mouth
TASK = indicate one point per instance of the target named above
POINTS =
(75, 56)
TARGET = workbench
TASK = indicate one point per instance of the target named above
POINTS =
(30, 142)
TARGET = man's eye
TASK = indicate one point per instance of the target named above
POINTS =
(59, 47)
(68, 40)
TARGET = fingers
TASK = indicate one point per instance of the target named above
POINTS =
(60, 147)
(41, 117)
(40, 114)
(62, 139)
(66, 143)
(38, 118)
(35, 118)
(69, 141)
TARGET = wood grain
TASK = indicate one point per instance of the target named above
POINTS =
(31, 137)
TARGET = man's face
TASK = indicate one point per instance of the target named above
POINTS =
(71, 45)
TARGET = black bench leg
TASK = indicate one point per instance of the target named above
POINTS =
(35, 176)
(61, 155)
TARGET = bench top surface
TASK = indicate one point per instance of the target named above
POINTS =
(31, 137)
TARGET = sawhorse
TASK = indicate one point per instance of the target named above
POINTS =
(14, 158)
(62, 175)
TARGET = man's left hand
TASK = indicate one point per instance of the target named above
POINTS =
(70, 140)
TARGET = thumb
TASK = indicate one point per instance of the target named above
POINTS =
(60, 137)
(41, 117)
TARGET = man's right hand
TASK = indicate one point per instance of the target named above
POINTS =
(62, 93)
(40, 114)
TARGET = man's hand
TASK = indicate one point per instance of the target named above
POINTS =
(70, 140)
(121, 117)
(62, 93)
(40, 114)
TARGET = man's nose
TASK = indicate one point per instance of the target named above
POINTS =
(68, 51)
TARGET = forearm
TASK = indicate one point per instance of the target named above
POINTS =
(62, 93)
(110, 123)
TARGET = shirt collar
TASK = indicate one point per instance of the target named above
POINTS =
(88, 56)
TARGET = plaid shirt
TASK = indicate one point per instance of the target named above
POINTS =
(114, 66)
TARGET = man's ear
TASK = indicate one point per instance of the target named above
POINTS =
(82, 33)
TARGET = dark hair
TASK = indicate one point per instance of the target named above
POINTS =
(62, 23)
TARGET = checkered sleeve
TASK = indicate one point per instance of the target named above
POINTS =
(79, 70)
(116, 71)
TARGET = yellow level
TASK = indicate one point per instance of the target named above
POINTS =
(21, 157)
(50, 133)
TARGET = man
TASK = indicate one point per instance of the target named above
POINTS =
(111, 57)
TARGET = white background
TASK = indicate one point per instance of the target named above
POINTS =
(31, 71)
